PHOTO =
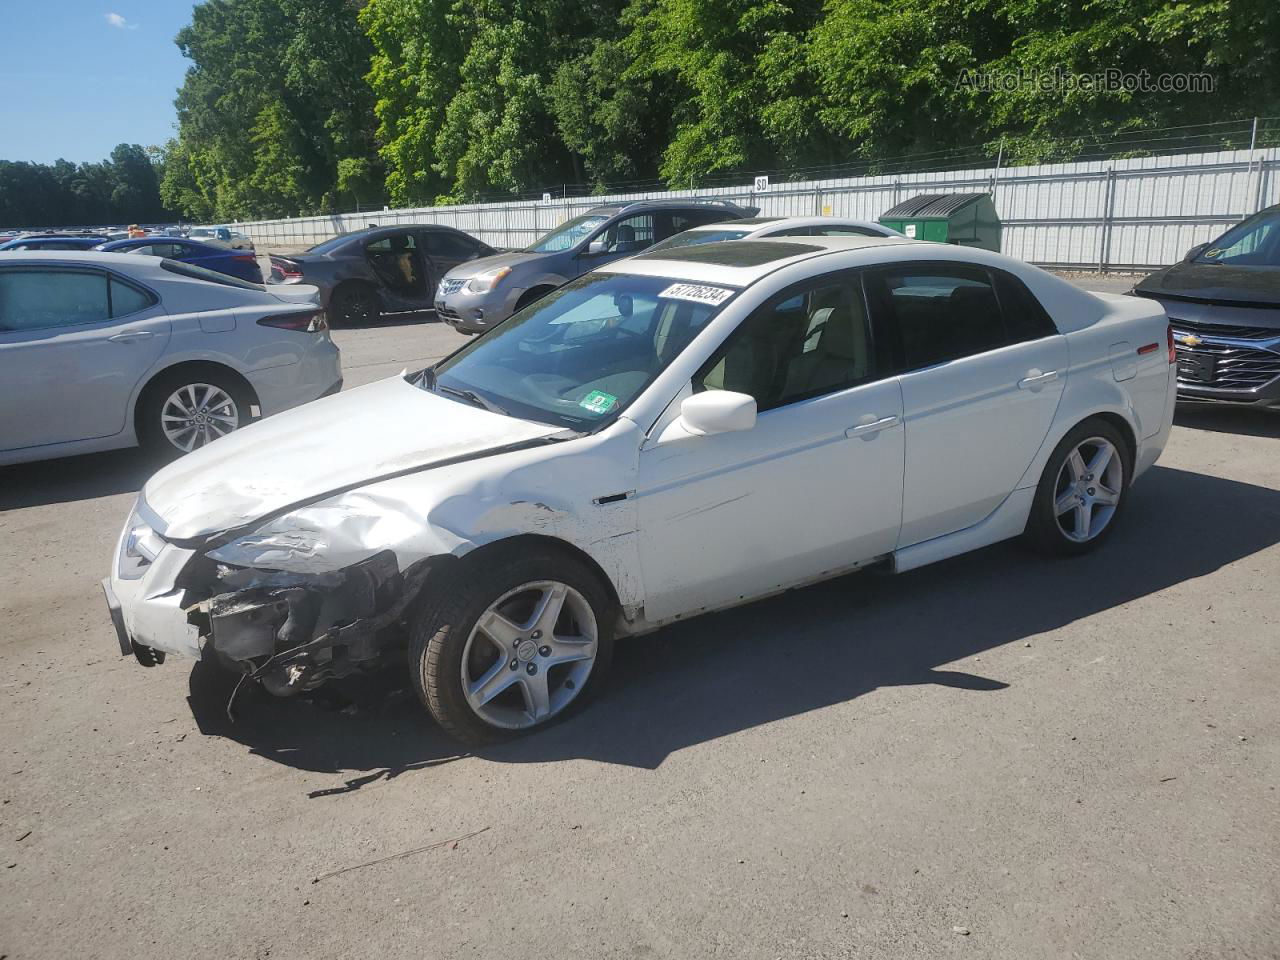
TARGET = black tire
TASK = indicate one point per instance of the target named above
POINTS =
(157, 395)
(456, 599)
(353, 305)
(1045, 532)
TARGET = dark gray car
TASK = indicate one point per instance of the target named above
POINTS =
(479, 294)
(1223, 301)
(364, 274)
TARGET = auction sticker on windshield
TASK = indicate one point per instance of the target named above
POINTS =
(697, 292)
(597, 401)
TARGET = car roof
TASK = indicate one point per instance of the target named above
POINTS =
(705, 263)
(668, 203)
(390, 228)
(762, 222)
(84, 258)
(740, 263)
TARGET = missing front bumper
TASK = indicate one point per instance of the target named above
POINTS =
(293, 632)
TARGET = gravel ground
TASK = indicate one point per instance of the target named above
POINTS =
(997, 756)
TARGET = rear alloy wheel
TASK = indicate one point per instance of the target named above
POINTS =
(353, 305)
(1081, 491)
(198, 413)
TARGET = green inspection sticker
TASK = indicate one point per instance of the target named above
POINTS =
(597, 401)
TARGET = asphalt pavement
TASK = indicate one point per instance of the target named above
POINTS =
(999, 756)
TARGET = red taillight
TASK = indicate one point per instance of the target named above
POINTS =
(245, 259)
(308, 322)
(288, 269)
(1173, 353)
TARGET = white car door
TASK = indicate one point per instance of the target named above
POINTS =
(74, 342)
(814, 486)
(983, 369)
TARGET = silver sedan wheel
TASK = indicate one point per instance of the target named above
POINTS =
(196, 414)
(529, 654)
(1088, 489)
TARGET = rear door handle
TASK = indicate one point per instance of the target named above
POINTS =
(1037, 380)
(129, 335)
(875, 426)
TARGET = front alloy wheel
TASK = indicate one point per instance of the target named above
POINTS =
(510, 639)
(529, 655)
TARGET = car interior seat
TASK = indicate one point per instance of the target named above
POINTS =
(835, 349)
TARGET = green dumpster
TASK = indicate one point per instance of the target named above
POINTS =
(967, 219)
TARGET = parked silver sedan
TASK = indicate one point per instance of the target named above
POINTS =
(106, 350)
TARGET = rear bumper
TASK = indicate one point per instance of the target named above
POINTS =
(317, 374)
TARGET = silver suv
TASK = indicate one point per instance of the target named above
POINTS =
(480, 293)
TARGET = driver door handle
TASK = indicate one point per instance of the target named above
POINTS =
(875, 426)
(130, 335)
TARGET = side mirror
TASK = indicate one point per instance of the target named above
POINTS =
(717, 411)
(597, 246)
(1195, 251)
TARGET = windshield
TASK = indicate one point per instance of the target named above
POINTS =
(1256, 242)
(578, 357)
(568, 234)
(692, 238)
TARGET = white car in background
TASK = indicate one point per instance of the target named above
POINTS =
(221, 236)
(674, 433)
(107, 350)
(757, 228)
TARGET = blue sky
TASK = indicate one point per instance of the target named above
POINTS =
(81, 76)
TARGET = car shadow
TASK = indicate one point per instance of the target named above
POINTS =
(83, 477)
(1219, 418)
(801, 651)
(408, 319)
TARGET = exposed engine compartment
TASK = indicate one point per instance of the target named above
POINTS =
(292, 632)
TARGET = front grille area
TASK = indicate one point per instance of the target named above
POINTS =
(1229, 368)
(1224, 330)
(450, 287)
(444, 311)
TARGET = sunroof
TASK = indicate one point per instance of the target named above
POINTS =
(738, 253)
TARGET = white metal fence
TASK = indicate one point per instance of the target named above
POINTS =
(1112, 214)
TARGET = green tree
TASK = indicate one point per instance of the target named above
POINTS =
(273, 107)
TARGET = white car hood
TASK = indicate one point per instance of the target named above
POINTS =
(313, 451)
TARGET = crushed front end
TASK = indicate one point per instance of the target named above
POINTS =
(291, 631)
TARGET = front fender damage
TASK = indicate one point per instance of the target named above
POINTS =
(292, 632)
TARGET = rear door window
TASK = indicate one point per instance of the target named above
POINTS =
(938, 311)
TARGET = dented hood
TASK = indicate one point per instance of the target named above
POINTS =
(332, 444)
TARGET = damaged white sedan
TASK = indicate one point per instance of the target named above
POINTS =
(672, 434)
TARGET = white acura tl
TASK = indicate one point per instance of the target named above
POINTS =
(671, 434)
